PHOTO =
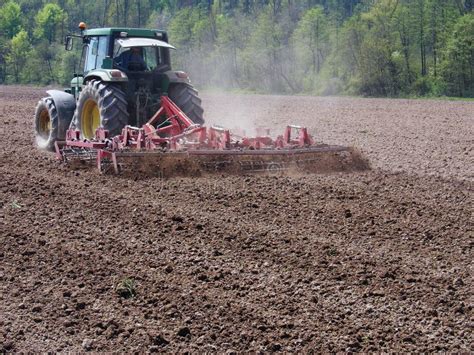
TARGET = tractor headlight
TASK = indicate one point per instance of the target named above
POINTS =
(117, 74)
(182, 75)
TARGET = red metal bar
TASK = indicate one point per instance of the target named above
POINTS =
(155, 117)
(101, 134)
(72, 134)
(87, 144)
(103, 154)
(57, 149)
(175, 113)
(304, 138)
(219, 138)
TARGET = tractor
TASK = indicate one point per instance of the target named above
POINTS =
(126, 104)
(122, 77)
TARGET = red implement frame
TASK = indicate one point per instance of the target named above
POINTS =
(177, 133)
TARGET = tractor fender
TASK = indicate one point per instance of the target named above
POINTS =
(105, 75)
(175, 77)
(65, 105)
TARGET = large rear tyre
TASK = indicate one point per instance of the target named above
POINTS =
(100, 105)
(187, 99)
(46, 124)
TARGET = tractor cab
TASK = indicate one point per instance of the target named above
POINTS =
(122, 54)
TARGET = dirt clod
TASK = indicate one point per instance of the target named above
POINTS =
(184, 332)
(159, 340)
(87, 344)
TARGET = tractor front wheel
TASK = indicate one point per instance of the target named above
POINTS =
(100, 105)
(46, 123)
(187, 99)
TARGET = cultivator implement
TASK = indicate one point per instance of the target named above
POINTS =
(171, 144)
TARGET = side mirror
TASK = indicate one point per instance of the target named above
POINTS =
(68, 43)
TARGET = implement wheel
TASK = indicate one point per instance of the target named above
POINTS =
(100, 105)
(185, 96)
(46, 123)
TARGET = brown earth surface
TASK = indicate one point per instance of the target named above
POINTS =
(373, 261)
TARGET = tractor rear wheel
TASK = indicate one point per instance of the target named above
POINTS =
(186, 97)
(46, 123)
(100, 105)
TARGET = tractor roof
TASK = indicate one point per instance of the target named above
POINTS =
(136, 32)
(142, 42)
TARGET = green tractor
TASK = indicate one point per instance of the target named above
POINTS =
(123, 74)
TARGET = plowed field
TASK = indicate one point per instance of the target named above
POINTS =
(372, 261)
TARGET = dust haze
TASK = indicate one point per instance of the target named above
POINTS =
(241, 108)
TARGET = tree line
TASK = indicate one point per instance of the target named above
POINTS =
(322, 47)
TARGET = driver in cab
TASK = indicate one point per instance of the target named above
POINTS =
(131, 59)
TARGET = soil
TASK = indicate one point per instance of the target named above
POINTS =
(372, 261)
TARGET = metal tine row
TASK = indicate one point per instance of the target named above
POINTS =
(81, 153)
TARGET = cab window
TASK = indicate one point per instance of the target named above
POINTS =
(150, 55)
(101, 51)
(92, 49)
(83, 61)
(153, 56)
(95, 52)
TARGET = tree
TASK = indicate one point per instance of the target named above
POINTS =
(263, 53)
(312, 39)
(231, 41)
(19, 52)
(421, 17)
(181, 27)
(3, 61)
(47, 53)
(10, 19)
(48, 20)
(458, 66)
(375, 62)
(404, 25)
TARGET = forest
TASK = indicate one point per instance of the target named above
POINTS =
(395, 48)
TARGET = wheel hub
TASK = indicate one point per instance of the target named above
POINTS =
(44, 124)
(90, 119)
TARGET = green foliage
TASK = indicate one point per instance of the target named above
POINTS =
(458, 68)
(48, 21)
(262, 56)
(232, 35)
(311, 38)
(3, 60)
(10, 19)
(360, 47)
(181, 28)
(67, 64)
(126, 288)
(20, 49)
(15, 205)
(379, 63)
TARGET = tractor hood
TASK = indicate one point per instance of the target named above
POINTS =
(142, 42)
